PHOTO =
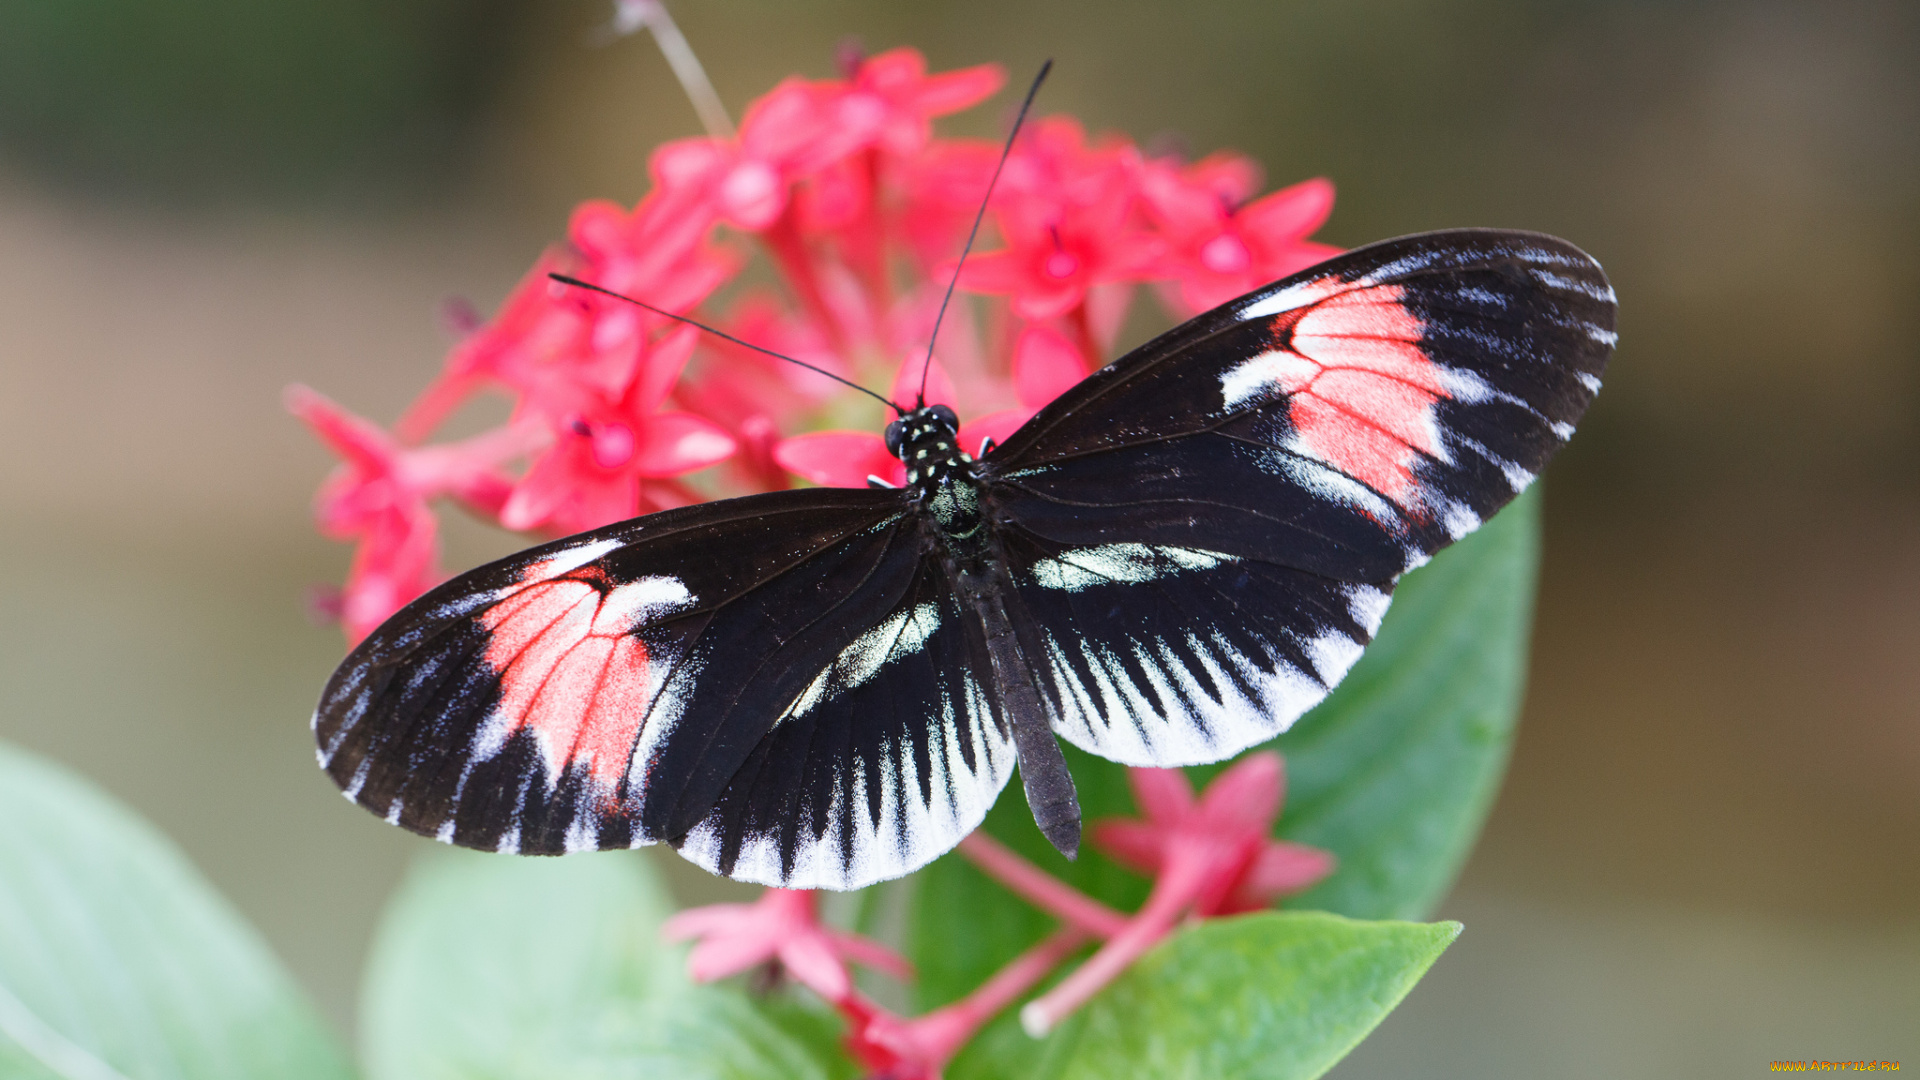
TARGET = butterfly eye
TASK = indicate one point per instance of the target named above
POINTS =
(945, 416)
(896, 432)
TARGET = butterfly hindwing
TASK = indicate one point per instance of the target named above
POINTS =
(886, 758)
(1349, 420)
(1159, 655)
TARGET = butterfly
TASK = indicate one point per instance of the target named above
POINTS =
(1171, 562)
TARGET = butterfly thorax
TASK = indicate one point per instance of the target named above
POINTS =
(941, 476)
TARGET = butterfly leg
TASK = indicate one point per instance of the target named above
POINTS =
(1043, 769)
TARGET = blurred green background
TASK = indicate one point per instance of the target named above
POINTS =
(1707, 855)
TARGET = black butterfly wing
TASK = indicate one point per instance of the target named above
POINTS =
(1349, 420)
(885, 760)
(606, 691)
(1206, 533)
(1161, 655)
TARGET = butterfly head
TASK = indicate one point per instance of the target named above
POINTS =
(928, 423)
(927, 440)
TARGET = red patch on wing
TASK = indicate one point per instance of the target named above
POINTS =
(1362, 391)
(571, 672)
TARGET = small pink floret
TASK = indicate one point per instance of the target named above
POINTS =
(1208, 856)
(782, 926)
(1225, 254)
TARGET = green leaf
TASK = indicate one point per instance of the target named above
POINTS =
(1394, 772)
(510, 968)
(118, 960)
(1274, 996)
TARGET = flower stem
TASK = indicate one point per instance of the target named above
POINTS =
(783, 240)
(1173, 893)
(921, 1047)
(1040, 888)
(1083, 335)
(944, 1031)
(686, 66)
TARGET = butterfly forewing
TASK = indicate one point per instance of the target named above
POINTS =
(579, 694)
(1349, 420)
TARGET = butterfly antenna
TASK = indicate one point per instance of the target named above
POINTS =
(723, 335)
(927, 365)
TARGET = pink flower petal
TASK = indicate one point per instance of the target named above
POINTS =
(357, 440)
(596, 498)
(665, 361)
(693, 922)
(998, 426)
(539, 493)
(992, 272)
(906, 382)
(839, 458)
(677, 442)
(752, 195)
(1297, 257)
(597, 226)
(723, 954)
(810, 958)
(1045, 365)
(952, 91)
(1041, 299)
(1136, 845)
(869, 953)
(1282, 868)
(1247, 796)
(686, 162)
(1163, 795)
(1290, 213)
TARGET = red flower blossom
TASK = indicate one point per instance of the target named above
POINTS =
(1219, 245)
(530, 328)
(380, 497)
(793, 132)
(1066, 212)
(783, 927)
(892, 95)
(754, 397)
(848, 458)
(609, 437)
(658, 253)
(941, 189)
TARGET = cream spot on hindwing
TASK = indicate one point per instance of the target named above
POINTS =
(1108, 564)
(905, 633)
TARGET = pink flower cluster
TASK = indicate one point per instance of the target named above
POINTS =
(1209, 856)
(862, 212)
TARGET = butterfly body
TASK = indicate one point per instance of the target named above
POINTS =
(1168, 564)
(946, 490)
